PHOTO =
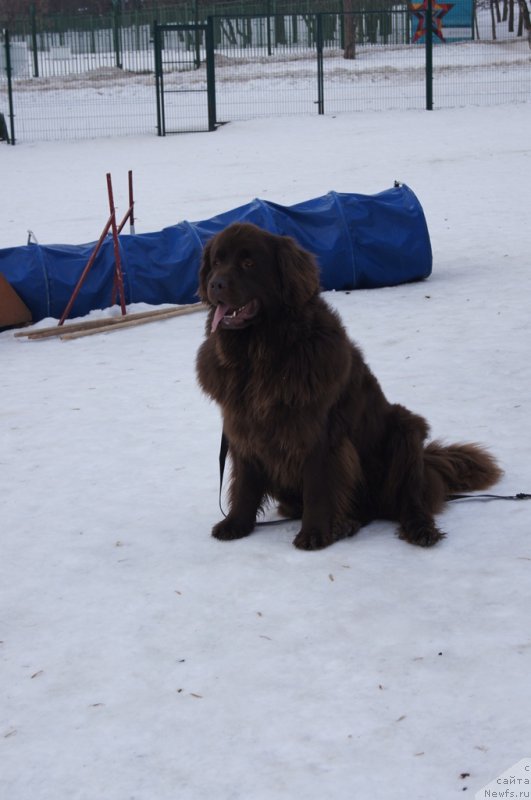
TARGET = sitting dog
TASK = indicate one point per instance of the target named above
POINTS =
(307, 422)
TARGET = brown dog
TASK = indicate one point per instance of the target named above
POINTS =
(306, 420)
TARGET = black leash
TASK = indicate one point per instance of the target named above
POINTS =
(519, 496)
(224, 449)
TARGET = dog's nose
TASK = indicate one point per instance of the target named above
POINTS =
(218, 284)
(216, 288)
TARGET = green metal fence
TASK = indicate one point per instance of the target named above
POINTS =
(126, 74)
(180, 107)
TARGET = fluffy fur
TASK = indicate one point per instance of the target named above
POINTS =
(307, 422)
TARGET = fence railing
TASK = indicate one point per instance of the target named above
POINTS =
(116, 80)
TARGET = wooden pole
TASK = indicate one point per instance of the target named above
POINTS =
(109, 322)
(125, 323)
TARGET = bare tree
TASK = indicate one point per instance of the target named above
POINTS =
(525, 18)
(349, 29)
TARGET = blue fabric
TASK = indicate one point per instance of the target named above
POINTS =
(360, 241)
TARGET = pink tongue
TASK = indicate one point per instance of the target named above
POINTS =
(219, 313)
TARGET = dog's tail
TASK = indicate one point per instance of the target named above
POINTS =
(462, 467)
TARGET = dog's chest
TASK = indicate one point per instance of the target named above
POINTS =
(265, 395)
(264, 425)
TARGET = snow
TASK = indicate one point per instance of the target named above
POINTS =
(142, 658)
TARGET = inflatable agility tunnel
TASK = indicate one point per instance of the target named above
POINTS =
(360, 241)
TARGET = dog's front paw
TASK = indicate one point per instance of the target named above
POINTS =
(423, 535)
(230, 528)
(312, 539)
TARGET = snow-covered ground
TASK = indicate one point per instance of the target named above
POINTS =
(140, 658)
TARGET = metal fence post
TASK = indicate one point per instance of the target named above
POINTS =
(9, 72)
(429, 55)
(158, 78)
(211, 74)
(320, 72)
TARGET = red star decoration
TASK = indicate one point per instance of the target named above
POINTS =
(438, 11)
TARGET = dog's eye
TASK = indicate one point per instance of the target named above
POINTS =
(215, 262)
(247, 262)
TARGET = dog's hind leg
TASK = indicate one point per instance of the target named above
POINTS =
(410, 494)
(330, 476)
(289, 505)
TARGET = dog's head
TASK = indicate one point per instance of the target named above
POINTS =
(248, 274)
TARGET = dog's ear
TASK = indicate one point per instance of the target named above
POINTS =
(299, 274)
(204, 271)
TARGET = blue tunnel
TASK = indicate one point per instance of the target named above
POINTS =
(360, 241)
